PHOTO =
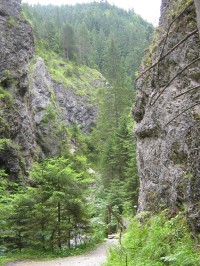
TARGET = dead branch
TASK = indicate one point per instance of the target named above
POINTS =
(179, 73)
(169, 52)
(176, 46)
(116, 217)
(165, 40)
(182, 113)
(168, 30)
(179, 95)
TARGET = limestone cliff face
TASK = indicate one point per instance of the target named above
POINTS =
(16, 49)
(197, 6)
(29, 97)
(167, 112)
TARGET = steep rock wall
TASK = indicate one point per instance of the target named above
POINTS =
(16, 50)
(29, 98)
(197, 6)
(167, 112)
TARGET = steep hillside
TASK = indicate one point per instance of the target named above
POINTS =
(89, 29)
(167, 113)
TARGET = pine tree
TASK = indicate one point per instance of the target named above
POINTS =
(83, 43)
(68, 41)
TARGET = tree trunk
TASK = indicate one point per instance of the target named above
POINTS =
(43, 238)
(59, 230)
(69, 234)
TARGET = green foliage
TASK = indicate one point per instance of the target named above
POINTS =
(7, 73)
(3, 142)
(68, 41)
(159, 240)
(114, 145)
(50, 114)
(6, 96)
(83, 32)
(73, 76)
(48, 213)
(118, 182)
(11, 21)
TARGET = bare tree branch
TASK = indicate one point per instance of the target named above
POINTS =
(165, 40)
(169, 52)
(176, 18)
(179, 95)
(182, 113)
(179, 73)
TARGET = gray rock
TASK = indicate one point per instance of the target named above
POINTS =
(168, 153)
(197, 5)
(16, 43)
(10, 8)
(37, 105)
(75, 108)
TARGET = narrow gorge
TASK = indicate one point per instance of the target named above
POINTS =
(99, 133)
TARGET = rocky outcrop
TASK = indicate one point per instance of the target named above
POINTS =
(33, 107)
(52, 103)
(16, 50)
(16, 43)
(75, 108)
(167, 112)
(10, 8)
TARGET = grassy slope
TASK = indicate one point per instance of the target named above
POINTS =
(157, 241)
(82, 79)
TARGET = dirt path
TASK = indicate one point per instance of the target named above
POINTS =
(93, 258)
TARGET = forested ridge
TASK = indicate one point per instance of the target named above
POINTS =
(68, 167)
(84, 31)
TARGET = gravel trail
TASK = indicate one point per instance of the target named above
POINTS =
(93, 258)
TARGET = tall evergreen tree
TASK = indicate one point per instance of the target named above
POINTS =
(68, 41)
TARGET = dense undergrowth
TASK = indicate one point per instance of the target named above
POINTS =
(156, 241)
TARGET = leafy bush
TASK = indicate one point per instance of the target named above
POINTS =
(11, 21)
(5, 96)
